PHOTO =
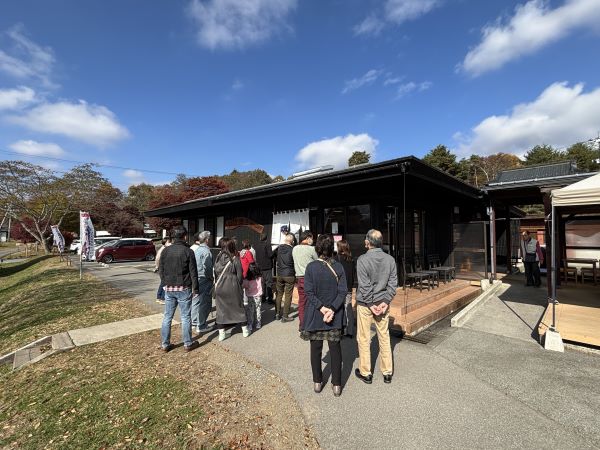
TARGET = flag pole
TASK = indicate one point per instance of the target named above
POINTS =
(80, 246)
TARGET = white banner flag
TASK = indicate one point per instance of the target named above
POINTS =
(86, 235)
(59, 240)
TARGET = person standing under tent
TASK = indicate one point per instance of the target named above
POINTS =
(532, 258)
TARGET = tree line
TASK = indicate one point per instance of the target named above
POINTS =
(35, 198)
(480, 170)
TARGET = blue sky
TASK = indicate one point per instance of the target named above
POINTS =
(204, 86)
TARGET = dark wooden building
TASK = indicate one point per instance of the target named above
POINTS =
(419, 209)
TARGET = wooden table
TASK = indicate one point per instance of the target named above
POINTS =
(591, 261)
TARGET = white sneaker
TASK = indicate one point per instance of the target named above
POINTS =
(222, 335)
(197, 329)
(246, 331)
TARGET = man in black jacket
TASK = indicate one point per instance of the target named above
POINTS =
(286, 277)
(264, 260)
(179, 276)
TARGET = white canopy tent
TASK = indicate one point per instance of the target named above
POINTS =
(582, 194)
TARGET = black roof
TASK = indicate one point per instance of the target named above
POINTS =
(359, 173)
(534, 173)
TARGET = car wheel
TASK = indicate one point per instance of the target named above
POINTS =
(150, 257)
(108, 259)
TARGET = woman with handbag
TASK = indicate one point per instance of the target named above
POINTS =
(344, 257)
(229, 294)
(325, 288)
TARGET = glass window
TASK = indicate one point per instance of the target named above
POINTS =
(359, 219)
(335, 220)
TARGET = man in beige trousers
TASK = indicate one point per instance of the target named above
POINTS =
(377, 283)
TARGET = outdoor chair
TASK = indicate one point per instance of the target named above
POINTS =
(447, 272)
(568, 272)
(414, 278)
(589, 273)
(434, 274)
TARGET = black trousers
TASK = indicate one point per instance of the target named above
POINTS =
(267, 284)
(335, 354)
(532, 273)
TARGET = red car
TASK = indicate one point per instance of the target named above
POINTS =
(128, 249)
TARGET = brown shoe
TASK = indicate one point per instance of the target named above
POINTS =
(167, 349)
(191, 347)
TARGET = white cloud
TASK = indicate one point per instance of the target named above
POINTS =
(234, 24)
(372, 25)
(34, 148)
(560, 116)
(92, 124)
(392, 80)
(366, 80)
(26, 59)
(395, 12)
(11, 99)
(133, 176)
(237, 85)
(533, 26)
(399, 11)
(335, 151)
(407, 88)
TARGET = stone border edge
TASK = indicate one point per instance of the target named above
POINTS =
(488, 291)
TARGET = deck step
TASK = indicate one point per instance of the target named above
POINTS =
(421, 299)
(419, 319)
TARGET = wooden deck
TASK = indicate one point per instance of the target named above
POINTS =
(577, 314)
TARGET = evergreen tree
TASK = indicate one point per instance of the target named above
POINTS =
(358, 157)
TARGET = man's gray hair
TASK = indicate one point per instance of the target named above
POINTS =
(204, 237)
(374, 238)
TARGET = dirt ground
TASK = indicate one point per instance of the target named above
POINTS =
(213, 398)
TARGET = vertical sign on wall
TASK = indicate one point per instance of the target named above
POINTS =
(220, 231)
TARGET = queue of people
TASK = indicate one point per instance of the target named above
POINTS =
(239, 281)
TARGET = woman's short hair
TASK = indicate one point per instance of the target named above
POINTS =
(306, 234)
(246, 244)
(324, 246)
(228, 246)
(343, 249)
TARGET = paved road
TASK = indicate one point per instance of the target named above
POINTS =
(514, 312)
(466, 389)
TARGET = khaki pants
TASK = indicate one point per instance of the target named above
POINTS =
(284, 285)
(363, 338)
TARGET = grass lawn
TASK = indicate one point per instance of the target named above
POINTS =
(43, 296)
(126, 393)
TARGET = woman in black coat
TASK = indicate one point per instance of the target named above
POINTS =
(325, 288)
(229, 294)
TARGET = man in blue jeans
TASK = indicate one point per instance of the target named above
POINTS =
(202, 304)
(179, 276)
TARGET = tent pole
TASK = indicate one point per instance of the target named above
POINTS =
(554, 268)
